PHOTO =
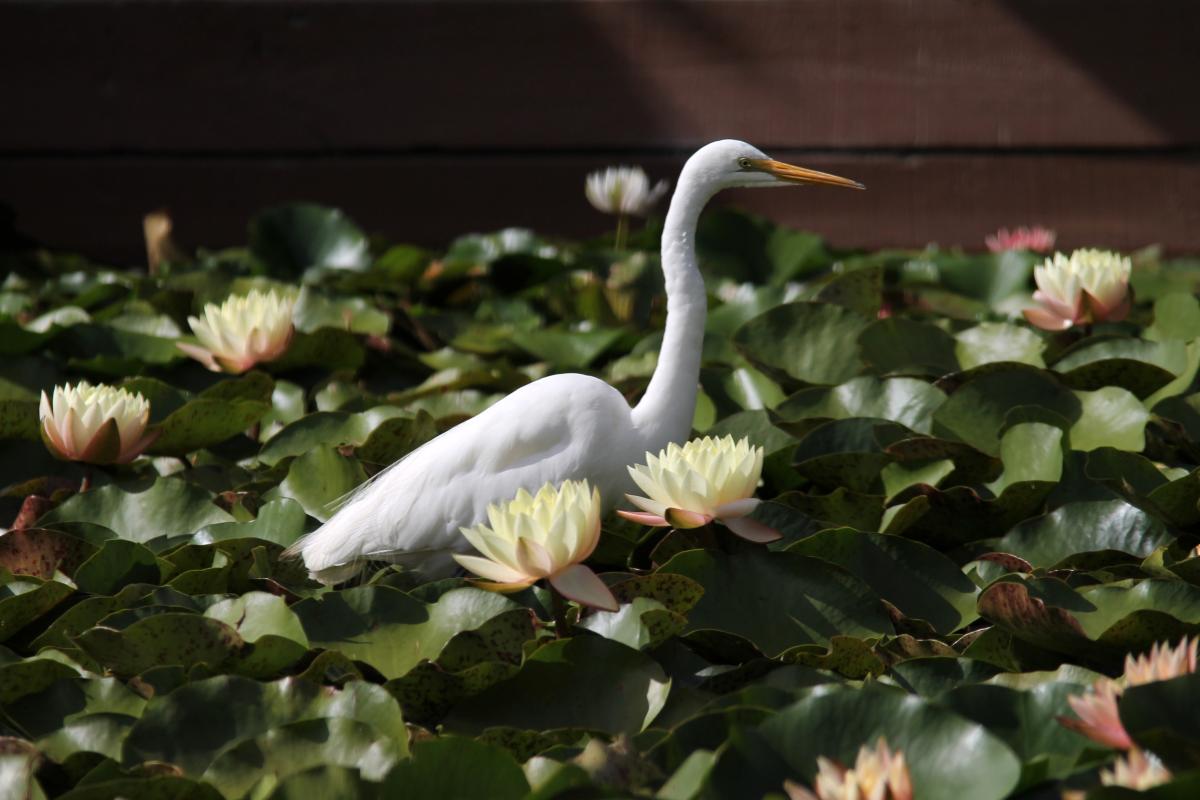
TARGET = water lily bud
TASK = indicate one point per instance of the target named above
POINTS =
(1035, 239)
(546, 535)
(878, 774)
(95, 424)
(242, 331)
(623, 190)
(1090, 286)
(704, 480)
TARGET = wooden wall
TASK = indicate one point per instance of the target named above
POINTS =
(424, 119)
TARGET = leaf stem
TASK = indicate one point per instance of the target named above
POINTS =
(558, 609)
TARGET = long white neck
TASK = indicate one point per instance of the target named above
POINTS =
(665, 411)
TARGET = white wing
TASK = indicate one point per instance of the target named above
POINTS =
(558, 428)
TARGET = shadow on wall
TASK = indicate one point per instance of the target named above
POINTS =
(427, 119)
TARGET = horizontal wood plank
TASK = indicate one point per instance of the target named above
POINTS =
(95, 205)
(360, 75)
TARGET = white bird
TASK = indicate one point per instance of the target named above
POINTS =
(558, 428)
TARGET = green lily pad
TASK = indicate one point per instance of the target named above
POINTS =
(192, 725)
(778, 600)
(1083, 528)
(390, 630)
(915, 578)
(806, 341)
(992, 342)
(976, 410)
(949, 757)
(292, 239)
(454, 766)
(1110, 417)
(318, 479)
(625, 690)
(222, 411)
(142, 510)
(903, 346)
(908, 401)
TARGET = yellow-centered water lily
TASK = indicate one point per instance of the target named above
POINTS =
(242, 331)
(1099, 718)
(878, 774)
(1088, 286)
(704, 480)
(95, 424)
(545, 535)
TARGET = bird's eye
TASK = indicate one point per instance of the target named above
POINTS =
(745, 163)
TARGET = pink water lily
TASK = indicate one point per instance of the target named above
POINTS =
(1089, 286)
(1035, 239)
(1098, 714)
(704, 480)
(546, 535)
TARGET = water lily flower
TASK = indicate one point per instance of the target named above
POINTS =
(242, 331)
(1036, 239)
(704, 480)
(623, 190)
(1099, 717)
(95, 424)
(1089, 286)
(878, 774)
(546, 535)
(1136, 770)
(1162, 663)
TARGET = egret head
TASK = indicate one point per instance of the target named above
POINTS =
(729, 163)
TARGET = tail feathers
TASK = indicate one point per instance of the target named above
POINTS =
(337, 573)
(328, 574)
(433, 562)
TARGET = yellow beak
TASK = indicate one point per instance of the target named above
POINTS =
(794, 174)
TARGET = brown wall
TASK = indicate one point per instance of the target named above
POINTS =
(427, 119)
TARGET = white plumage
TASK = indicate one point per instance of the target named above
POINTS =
(558, 428)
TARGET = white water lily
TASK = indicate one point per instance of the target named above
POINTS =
(95, 424)
(546, 535)
(878, 774)
(704, 480)
(623, 190)
(1088, 286)
(242, 331)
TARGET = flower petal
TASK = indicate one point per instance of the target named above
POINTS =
(533, 558)
(1047, 320)
(738, 508)
(752, 530)
(646, 504)
(644, 518)
(490, 569)
(105, 444)
(202, 355)
(580, 584)
(682, 518)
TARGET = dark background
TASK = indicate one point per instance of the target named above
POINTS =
(424, 120)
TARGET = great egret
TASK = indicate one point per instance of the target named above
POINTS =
(558, 428)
